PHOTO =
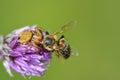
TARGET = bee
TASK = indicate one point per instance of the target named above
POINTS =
(43, 40)
(31, 37)
(60, 46)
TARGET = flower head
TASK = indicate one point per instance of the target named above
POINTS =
(22, 57)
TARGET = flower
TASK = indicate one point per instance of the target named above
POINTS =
(22, 57)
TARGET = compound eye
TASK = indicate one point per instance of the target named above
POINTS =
(49, 41)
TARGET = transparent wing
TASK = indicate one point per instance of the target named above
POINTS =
(66, 27)
(74, 52)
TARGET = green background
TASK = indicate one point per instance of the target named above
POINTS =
(95, 37)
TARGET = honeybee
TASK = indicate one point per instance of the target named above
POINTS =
(60, 46)
(42, 39)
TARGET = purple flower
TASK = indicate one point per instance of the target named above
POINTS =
(21, 59)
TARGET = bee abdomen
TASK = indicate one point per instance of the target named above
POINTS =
(65, 52)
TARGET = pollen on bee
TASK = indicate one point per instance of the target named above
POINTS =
(25, 36)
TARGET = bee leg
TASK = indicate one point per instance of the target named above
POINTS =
(38, 43)
(39, 32)
(35, 46)
(29, 44)
(58, 55)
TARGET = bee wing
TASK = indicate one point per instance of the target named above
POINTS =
(74, 52)
(66, 26)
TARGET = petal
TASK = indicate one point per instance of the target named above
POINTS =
(15, 53)
(17, 31)
(13, 42)
(7, 66)
(37, 69)
(1, 54)
(21, 62)
(16, 68)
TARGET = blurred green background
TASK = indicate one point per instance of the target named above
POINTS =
(95, 37)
